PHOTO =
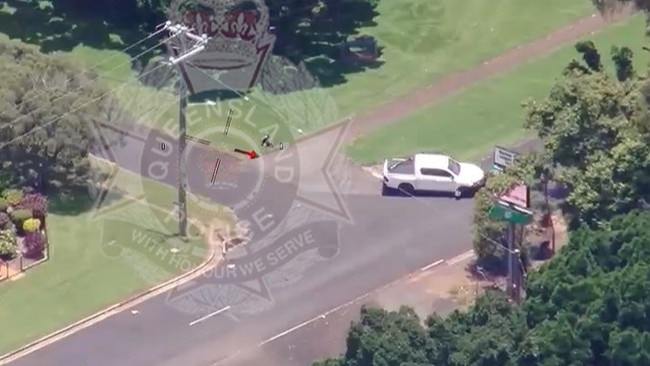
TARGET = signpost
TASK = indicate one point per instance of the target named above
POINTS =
(502, 157)
(512, 207)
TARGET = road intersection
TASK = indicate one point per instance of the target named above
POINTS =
(389, 238)
(193, 329)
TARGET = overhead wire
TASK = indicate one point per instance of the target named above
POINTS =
(160, 28)
(41, 127)
(70, 92)
(97, 65)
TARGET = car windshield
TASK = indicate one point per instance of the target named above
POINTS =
(454, 166)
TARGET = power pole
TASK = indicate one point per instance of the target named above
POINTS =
(511, 248)
(184, 52)
(182, 170)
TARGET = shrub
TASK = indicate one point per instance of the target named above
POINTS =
(35, 202)
(34, 244)
(8, 247)
(18, 216)
(31, 225)
(5, 221)
(3, 205)
(12, 196)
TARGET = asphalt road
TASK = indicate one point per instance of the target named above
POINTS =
(390, 237)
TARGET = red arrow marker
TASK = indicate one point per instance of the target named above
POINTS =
(251, 154)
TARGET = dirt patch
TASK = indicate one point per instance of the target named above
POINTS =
(440, 290)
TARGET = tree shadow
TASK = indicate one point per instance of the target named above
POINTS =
(313, 39)
(62, 25)
(82, 201)
(318, 44)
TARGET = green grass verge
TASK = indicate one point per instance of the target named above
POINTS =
(83, 275)
(422, 40)
(469, 124)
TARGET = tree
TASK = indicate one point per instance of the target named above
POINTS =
(488, 232)
(622, 58)
(48, 107)
(594, 130)
(590, 55)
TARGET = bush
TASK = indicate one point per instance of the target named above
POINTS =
(3, 205)
(8, 247)
(12, 196)
(18, 216)
(34, 244)
(35, 202)
(31, 225)
(5, 221)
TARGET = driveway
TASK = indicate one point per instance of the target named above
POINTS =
(386, 238)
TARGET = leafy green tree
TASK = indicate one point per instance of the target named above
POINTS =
(594, 130)
(48, 108)
(590, 55)
(488, 232)
(622, 58)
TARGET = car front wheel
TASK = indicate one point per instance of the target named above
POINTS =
(459, 192)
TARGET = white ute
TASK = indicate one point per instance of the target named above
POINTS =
(432, 173)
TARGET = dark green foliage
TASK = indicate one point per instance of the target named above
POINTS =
(48, 126)
(623, 59)
(590, 55)
(588, 306)
(595, 131)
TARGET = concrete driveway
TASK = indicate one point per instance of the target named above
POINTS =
(214, 319)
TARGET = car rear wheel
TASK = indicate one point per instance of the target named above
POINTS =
(406, 188)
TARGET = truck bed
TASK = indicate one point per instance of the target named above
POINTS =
(401, 166)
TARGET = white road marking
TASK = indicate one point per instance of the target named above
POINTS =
(461, 257)
(334, 310)
(210, 315)
(427, 267)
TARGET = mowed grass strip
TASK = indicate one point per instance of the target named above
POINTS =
(467, 125)
(421, 41)
(85, 274)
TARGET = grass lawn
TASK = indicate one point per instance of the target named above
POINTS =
(82, 276)
(422, 40)
(467, 125)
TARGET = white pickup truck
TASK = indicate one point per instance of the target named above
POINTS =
(432, 173)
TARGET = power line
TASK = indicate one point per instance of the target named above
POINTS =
(106, 61)
(70, 92)
(77, 108)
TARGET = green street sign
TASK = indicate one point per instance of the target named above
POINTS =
(509, 214)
